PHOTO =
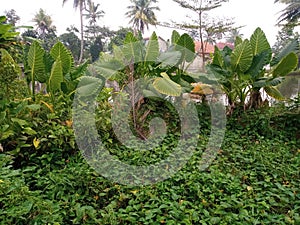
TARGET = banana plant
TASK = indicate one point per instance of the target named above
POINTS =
(249, 68)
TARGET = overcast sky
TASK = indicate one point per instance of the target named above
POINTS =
(250, 13)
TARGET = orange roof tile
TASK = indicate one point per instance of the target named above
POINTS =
(209, 48)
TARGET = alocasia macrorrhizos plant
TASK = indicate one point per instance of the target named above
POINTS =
(55, 68)
(250, 68)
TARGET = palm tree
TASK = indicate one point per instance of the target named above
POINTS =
(233, 34)
(43, 23)
(81, 5)
(93, 14)
(141, 14)
(291, 13)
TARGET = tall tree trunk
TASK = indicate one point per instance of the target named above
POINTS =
(81, 32)
(202, 49)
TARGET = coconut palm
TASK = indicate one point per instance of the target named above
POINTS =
(81, 5)
(92, 15)
(93, 12)
(233, 34)
(141, 14)
(292, 11)
(43, 23)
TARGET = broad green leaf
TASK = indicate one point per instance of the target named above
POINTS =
(274, 93)
(59, 51)
(217, 58)
(106, 69)
(238, 40)
(175, 37)
(286, 65)
(78, 71)
(89, 86)
(292, 46)
(259, 42)
(36, 61)
(132, 48)
(166, 86)
(118, 53)
(130, 38)
(170, 58)
(258, 63)
(56, 76)
(48, 62)
(152, 50)
(186, 45)
(241, 57)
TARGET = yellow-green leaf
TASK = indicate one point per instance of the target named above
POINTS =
(241, 57)
(286, 65)
(36, 142)
(166, 86)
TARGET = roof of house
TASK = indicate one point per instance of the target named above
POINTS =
(209, 48)
(222, 45)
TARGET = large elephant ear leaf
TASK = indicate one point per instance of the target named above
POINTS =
(56, 76)
(238, 40)
(258, 64)
(274, 93)
(152, 50)
(89, 86)
(186, 46)
(170, 58)
(259, 42)
(132, 48)
(35, 61)
(61, 52)
(218, 58)
(165, 85)
(175, 37)
(286, 65)
(241, 57)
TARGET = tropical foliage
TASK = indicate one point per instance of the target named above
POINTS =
(141, 14)
(200, 25)
(8, 36)
(291, 13)
(45, 179)
(43, 22)
(55, 69)
(250, 68)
